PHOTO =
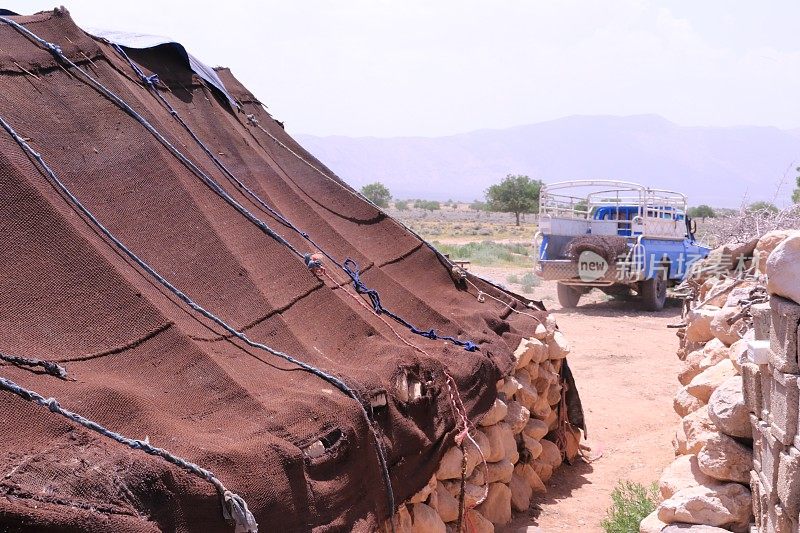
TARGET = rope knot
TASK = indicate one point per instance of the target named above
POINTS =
(481, 297)
(314, 263)
(252, 119)
(235, 508)
(53, 405)
(151, 80)
(54, 49)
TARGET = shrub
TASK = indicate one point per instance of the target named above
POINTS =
(428, 205)
(377, 193)
(512, 278)
(631, 503)
(401, 205)
(488, 253)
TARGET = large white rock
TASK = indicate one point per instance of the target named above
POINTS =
(450, 465)
(500, 471)
(501, 443)
(651, 524)
(528, 473)
(446, 503)
(737, 353)
(517, 416)
(783, 268)
(426, 520)
(522, 355)
(508, 386)
(727, 333)
(698, 327)
(698, 428)
(558, 346)
(497, 506)
(550, 453)
(425, 491)
(542, 469)
(696, 361)
(472, 493)
(539, 351)
(477, 523)
(684, 403)
(495, 414)
(766, 244)
(726, 408)
(725, 459)
(533, 446)
(521, 493)
(726, 505)
(535, 429)
(693, 528)
(704, 383)
(682, 473)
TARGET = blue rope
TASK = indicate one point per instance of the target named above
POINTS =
(351, 268)
(150, 83)
(234, 507)
(336, 382)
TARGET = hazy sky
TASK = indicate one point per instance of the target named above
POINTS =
(387, 68)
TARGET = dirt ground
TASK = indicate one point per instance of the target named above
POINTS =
(625, 368)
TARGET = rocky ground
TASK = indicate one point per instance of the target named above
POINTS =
(624, 363)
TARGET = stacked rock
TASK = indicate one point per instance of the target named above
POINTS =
(717, 479)
(516, 438)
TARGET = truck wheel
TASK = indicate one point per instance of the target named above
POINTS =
(654, 293)
(568, 296)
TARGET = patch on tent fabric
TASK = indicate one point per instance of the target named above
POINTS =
(325, 448)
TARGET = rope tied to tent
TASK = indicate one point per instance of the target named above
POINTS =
(352, 269)
(54, 369)
(372, 293)
(233, 506)
(314, 263)
(333, 380)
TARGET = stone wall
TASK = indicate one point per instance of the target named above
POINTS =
(771, 394)
(516, 438)
(738, 465)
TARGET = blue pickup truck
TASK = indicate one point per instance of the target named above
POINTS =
(615, 236)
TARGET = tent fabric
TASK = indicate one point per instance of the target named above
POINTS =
(145, 365)
(144, 41)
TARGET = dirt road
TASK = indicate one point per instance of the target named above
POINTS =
(625, 368)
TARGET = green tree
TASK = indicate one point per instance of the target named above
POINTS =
(762, 206)
(377, 193)
(796, 193)
(428, 205)
(702, 211)
(515, 194)
(401, 205)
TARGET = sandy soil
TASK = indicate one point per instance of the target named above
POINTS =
(625, 368)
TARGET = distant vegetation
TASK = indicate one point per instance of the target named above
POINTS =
(428, 205)
(488, 253)
(377, 193)
(796, 193)
(515, 194)
(762, 206)
(701, 211)
(401, 205)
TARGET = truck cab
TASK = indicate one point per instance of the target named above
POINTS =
(614, 235)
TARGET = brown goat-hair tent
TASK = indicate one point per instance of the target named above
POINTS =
(144, 364)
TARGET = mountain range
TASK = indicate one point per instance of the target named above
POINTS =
(719, 166)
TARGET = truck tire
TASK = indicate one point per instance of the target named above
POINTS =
(568, 296)
(654, 292)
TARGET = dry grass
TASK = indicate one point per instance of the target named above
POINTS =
(747, 225)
